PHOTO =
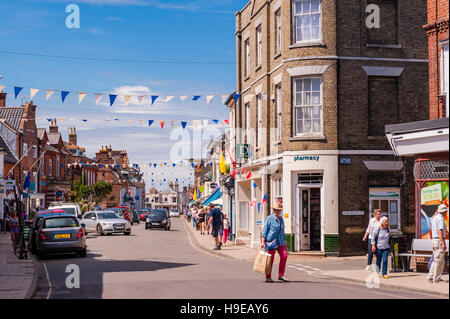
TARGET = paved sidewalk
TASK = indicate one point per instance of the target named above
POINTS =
(328, 267)
(18, 278)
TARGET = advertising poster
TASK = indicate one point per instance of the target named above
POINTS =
(432, 195)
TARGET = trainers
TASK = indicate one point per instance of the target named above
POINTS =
(217, 248)
(386, 277)
(368, 268)
(269, 280)
(282, 278)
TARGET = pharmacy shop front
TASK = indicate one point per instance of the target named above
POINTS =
(310, 199)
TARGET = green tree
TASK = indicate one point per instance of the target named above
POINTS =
(101, 190)
(80, 191)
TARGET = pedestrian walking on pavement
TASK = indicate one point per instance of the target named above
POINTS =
(381, 245)
(273, 240)
(216, 221)
(194, 218)
(374, 223)
(439, 234)
(14, 229)
(208, 216)
(201, 220)
(226, 227)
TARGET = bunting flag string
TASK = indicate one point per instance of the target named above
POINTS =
(125, 97)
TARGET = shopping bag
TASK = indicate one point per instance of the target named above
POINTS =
(262, 263)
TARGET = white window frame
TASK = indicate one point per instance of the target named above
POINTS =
(277, 187)
(294, 117)
(50, 167)
(278, 31)
(35, 153)
(278, 106)
(259, 126)
(42, 166)
(247, 121)
(444, 74)
(58, 165)
(388, 214)
(294, 23)
(25, 149)
(258, 45)
(247, 57)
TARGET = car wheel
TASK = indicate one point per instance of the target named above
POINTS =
(82, 253)
(100, 230)
(127, 233)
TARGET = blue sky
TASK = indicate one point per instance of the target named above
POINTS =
(143, 30)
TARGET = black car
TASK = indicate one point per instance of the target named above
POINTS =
(158, 218)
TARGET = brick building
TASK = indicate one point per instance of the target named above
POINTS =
(317, 88)
(428, 141)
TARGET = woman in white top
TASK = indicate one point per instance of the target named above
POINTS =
(374, 223)
(226, 228)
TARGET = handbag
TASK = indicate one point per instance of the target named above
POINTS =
(273, 244)
(262, 263)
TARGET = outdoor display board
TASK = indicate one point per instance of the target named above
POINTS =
(432, 194)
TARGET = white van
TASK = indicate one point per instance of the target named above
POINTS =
(68, 208)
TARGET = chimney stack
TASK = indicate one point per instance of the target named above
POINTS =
(2, 99)
(177, 189)
(171, 185)
(53, 126)
(72, 136)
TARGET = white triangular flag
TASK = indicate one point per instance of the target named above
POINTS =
(183, 98)
(33, 93)
(168, 98)
(49, 93)
(81, 96)
(126, 99)
(140, 99)
(172, 123)
(98, 96)
(209, 98)
(224, 98)
(2, 87)
(195, 123)
(205, 122)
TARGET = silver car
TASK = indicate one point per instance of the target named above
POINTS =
(60, 234)
(105, 222)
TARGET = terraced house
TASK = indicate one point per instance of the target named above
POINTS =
(319, 80)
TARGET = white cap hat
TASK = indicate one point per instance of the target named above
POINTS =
(442, 208)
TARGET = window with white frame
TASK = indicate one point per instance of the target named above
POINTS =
(247, 57)
(42, 166)
(444, 67)
(258, 45)
(35, 151)
(25, 149)
(308, 106)
(278, 112)
(278, 31)
(259, 132)
(58, 165)
(247, 122)
(50, 167)
(388, 200)
(277, 188)
(307, 20)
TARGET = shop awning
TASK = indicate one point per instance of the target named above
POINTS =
(214, 196)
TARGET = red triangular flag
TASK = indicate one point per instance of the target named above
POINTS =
(227, 121)
(162, 123)
(249, 175)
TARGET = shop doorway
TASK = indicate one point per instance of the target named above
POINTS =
(307, 220)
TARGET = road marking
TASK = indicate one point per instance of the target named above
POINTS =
(49, 283)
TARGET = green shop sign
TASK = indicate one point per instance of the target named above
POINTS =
(306, 158)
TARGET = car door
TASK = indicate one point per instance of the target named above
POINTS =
(85, 220)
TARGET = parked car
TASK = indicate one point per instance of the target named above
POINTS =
(36, 223)
(69, 208)
(60, 233)
(143, 213)
(106, 222)
(174, 213)
(158, 218)
(98, 208)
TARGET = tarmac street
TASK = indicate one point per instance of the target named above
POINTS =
(159, 264)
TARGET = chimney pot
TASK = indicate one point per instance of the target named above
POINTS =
(2, 99)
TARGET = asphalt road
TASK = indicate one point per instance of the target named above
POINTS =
(151, 264)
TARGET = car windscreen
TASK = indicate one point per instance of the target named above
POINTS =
(158, 213)
(60, 222)
(69, 210)
(110, 215)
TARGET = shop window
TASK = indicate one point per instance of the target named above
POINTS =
(388, 200)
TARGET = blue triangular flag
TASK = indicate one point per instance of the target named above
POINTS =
(112, 98)
(116, 120)
(17, 90)
(259, 207)
(154, 97)
(150, 122)
(64, 95)
(254, 185)
(49, 120)
(154, 165)
(183, 124)
(26, 184)
(236, 97)
(84, 121)
(215, 121)
(174, 165)
(196, 97)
